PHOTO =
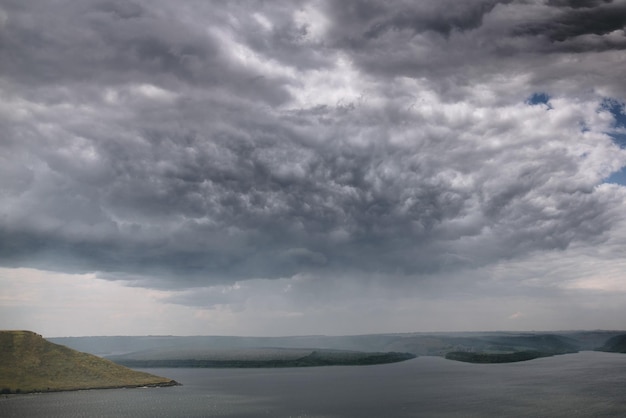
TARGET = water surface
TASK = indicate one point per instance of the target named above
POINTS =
(586, 384)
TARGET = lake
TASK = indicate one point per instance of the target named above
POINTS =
(586, 384)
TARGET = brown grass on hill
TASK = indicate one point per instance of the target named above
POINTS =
(29, 363)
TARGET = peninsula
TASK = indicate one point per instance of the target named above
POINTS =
(29, 363)
(256, 358)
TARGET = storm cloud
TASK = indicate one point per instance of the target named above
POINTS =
(213, 147)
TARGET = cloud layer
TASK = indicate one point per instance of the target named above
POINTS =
(328, 146)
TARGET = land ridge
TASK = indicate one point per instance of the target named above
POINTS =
(496, 346)
(257, 358)
(616, 344)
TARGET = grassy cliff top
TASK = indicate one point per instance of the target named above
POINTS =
(29, 363)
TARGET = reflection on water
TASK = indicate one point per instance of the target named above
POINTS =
(586, 384)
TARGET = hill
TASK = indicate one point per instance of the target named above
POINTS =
(256, 358)
(421, 344)
(495, 357)
(29, 363)
(616, 344)
(508, 349)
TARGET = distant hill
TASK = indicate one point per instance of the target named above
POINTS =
(256, 358)
(544, 343)
(615, 344)
(509, 349)
(421, 344)
(29, 363)
(495, 357)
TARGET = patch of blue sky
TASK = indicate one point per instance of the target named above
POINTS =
(539, 98)
(618, 134)
(619, 177)
(616, 108)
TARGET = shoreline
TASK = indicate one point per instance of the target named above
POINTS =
(78, 389)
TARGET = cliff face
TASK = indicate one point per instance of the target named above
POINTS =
(29, 363)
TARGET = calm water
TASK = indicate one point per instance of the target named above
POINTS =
(586, 384)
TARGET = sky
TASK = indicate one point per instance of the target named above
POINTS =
(312, 167)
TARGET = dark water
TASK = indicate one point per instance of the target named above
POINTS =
(586, 384)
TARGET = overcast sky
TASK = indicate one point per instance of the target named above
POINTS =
(312, 167)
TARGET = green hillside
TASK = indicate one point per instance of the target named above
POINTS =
(29, 363)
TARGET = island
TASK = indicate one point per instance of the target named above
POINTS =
(29, 363)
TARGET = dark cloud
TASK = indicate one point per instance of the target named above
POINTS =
(577, 4)
(360, 22)
(200, 145)
(433, 40)
(406, 39)
(111, 43)
(217, 205)
(596, 18)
